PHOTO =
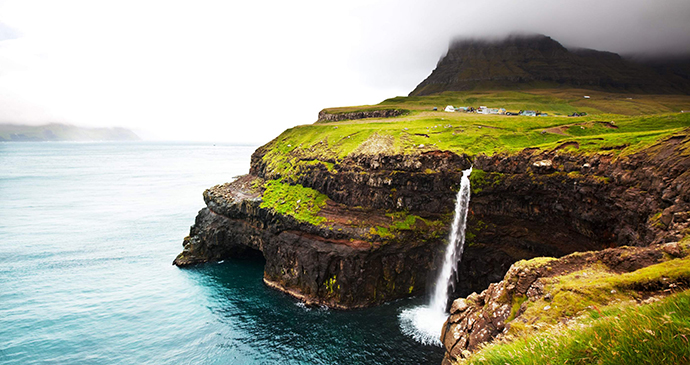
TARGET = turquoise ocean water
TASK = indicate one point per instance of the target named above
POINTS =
(88, 232)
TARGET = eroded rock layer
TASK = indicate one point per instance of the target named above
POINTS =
(524, 205)
(325, 116)
(342, 267)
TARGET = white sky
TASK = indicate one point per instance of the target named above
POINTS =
(244, 71)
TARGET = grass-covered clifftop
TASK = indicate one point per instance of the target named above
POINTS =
(620, 123)
(615, 125)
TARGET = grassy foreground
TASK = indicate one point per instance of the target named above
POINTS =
(597, 316)
(657, 333)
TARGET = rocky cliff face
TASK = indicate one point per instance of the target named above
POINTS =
(539, 61)
(325, 116)
(339, 266)
(534, 203)
(481, 318)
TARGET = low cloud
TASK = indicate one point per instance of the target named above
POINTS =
(245, 71)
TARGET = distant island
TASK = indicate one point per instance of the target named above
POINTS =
(62, 132)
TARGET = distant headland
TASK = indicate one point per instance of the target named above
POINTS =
(62, 132)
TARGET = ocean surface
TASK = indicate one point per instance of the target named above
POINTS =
(88, 232)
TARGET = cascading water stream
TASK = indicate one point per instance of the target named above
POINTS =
(456, 244)
(424, 323)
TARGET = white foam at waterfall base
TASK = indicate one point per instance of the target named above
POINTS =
(424, 323)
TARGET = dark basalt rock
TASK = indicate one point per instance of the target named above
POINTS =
(529, 204)
(325, 116)
(318, 265)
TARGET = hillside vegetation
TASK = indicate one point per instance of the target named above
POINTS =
(324, 145)
(597, 316)
(657, 333)
(619, 123)
(552, 101)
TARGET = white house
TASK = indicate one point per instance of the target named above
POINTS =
(450, 108)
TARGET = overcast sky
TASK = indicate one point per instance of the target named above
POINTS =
(243, 71)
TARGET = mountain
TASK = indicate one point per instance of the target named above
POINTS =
(537, 61)
(62, 132)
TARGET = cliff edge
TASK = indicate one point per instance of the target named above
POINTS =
(368, 227)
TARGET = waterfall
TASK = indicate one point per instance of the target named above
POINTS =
(424, 323)
(456, 244)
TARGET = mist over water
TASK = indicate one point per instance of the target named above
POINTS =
(88, 232)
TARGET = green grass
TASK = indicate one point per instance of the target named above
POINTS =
(594, 286)
(471, 134)
(607, 127)
(510, 100)
(304, 204)
(402, 220)
(605, 323)
(657, 333)
(552, 101)
(299, 150)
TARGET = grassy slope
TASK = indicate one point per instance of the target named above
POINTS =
(302, 203)
(656, 333)
(610, 326)
(472, 133)
(553, 101)
(424, 130)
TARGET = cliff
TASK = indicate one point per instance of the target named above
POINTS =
(329, 116)
(351, 213)
(537, 61)
(542, 294)
(366, 228)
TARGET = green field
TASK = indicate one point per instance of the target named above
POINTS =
(299, 149)
(552, 101)
(605, 128)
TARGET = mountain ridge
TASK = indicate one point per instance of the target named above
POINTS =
(538, 61)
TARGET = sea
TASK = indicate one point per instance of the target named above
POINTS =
(88, 232)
